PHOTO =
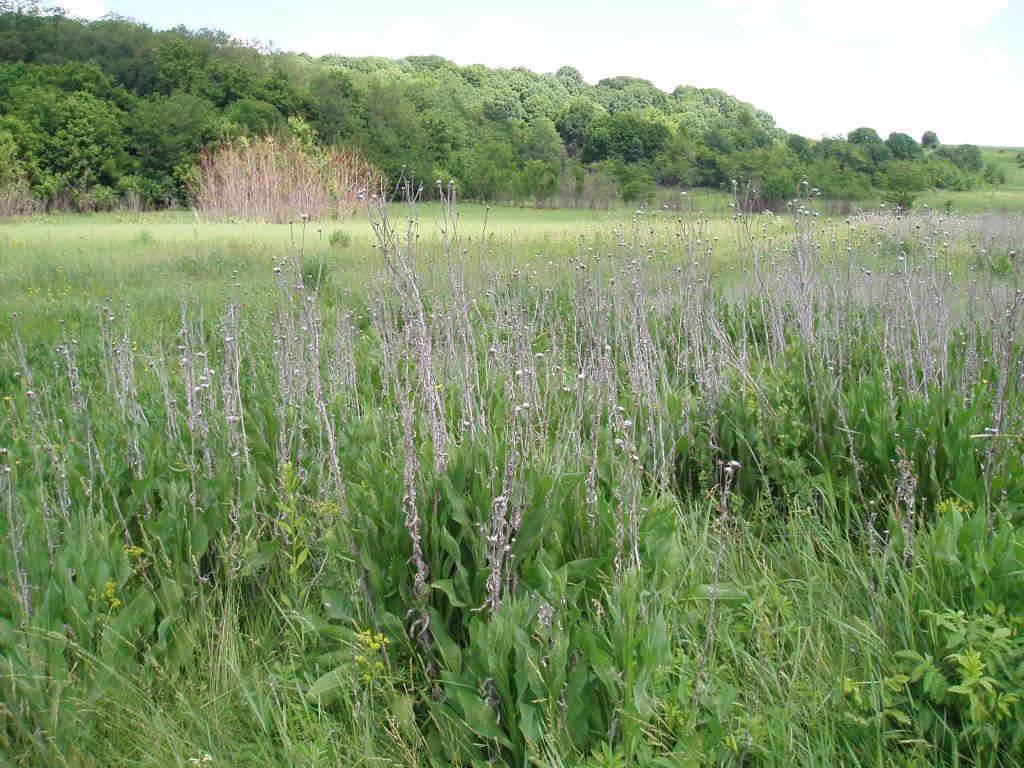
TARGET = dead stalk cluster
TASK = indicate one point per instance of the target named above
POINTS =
(602, 362)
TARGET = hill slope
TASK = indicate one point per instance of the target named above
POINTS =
(94, 112)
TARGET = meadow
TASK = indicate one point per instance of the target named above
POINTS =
(1007, 197)
(450, 485)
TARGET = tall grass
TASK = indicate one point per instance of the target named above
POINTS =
(602, 502)
(269, 178)
(15, 196)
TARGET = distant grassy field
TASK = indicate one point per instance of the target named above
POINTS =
(1006, 159)
(1008, 197)
(64, 264)
(153, 259)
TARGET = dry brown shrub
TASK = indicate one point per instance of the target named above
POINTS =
(15, 197)
(15, 194)
(270, 178)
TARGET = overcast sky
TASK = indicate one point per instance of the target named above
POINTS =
(821, 67)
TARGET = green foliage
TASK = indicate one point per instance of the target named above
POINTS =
(543, 142)
(15, 196)
(947, 175)
(698, 111)
(774, 173)
(866, 136)
(487, 171)
(966, 157)
(903, 147)
(339, 238)
(629, 94)
(165, 95)
(625, 136)
(903, 179)
(538, 180)
(957, 684)
(993, 174)
(166, 133)
(69, 141)
(255, 116)
(572, 123)
(212, 507)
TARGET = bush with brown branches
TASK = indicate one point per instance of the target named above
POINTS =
(278, 179)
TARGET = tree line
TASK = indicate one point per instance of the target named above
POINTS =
(96, 114)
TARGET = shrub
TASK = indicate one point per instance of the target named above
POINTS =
(15, 195)
(339, 238)
(271, 178)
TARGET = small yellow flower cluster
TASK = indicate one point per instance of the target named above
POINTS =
(951, 505)
(134, 551)
(371, 644)
(328, 509)
(109, 595)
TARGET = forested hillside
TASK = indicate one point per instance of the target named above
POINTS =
(96, 114)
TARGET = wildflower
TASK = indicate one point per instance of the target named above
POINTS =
(109, 591)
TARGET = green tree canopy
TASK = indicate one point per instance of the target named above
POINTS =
(903, 147)
(115, 103)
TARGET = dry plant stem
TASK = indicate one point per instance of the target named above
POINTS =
(312, 324)
(231, 383)
(727, 476)
(420, 627)
(198, 426)
(398, 262)
(15, 196)
(505, 515)
(16, 532)
(463, 347)
(231, 398)
(120, 356)
(906, 496)
(68, 351)
(40, 439)
(1010, 308)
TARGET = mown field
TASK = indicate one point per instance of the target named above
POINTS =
(513, 488)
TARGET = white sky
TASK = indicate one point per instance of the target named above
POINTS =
(821, 67)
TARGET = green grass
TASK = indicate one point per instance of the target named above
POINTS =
(1005, 158)
(65, 266)
(1000, 198)
(487, 515)
(984, 200)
